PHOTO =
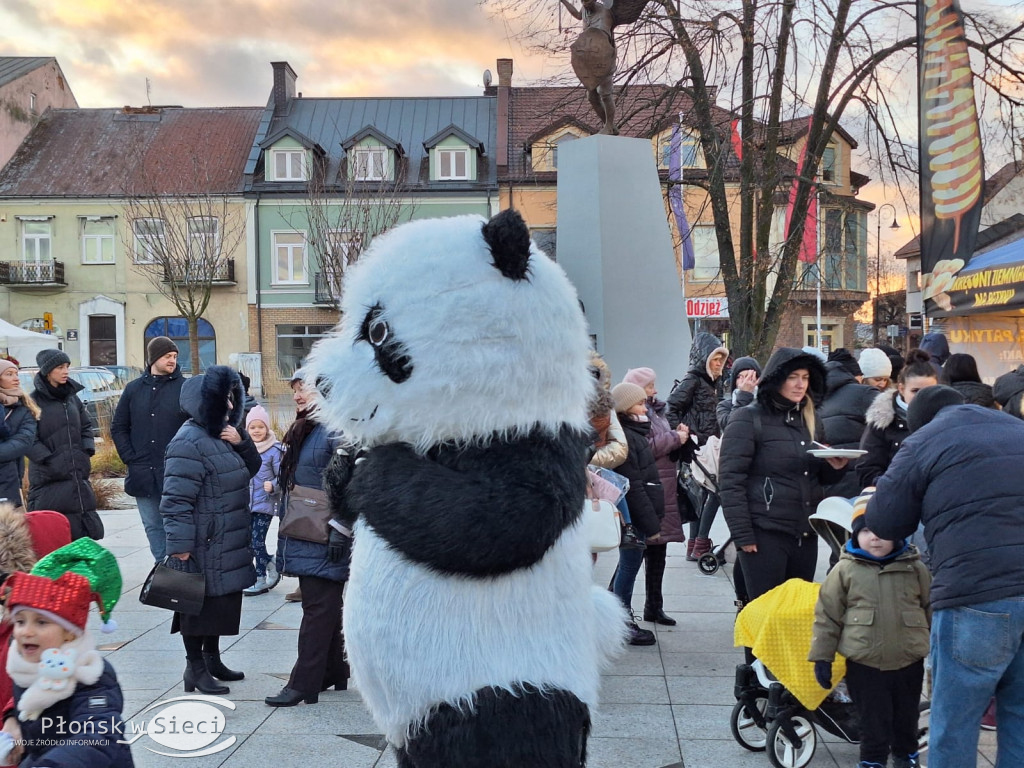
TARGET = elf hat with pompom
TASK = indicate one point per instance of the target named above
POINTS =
(64, 583)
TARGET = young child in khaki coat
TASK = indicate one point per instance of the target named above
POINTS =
(874, 609)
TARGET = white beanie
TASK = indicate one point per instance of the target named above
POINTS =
(874, 363)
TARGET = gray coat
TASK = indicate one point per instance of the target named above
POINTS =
(205, 502)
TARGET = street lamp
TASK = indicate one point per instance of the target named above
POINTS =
(878, 265)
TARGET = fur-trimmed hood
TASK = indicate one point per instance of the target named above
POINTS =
(16, 552)
(882, 412)
(782, 363)
(205, 399)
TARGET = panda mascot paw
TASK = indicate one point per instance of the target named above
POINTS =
(474, 631)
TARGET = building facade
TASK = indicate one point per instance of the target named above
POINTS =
(29, 85)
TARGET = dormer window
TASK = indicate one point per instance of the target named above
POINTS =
(830, 165)
(452, 164)
(371, 163)
(289, 164)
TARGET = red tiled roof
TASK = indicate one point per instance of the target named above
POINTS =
(105, 152)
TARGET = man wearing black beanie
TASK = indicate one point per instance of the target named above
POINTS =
(959, 474)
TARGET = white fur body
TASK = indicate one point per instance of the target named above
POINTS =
(417, 639)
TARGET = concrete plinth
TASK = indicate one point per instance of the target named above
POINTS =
(614, 243)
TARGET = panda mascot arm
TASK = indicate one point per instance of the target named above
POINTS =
(474, 631)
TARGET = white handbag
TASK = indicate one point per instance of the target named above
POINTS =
(602, 522)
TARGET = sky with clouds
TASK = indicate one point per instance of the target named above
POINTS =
(217, 52)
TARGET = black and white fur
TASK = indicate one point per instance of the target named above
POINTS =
(474, 631)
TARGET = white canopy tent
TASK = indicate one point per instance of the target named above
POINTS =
(24, 345)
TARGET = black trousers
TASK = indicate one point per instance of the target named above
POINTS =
(887, 704)
(321, 646)
(654, 573)
(779, 557)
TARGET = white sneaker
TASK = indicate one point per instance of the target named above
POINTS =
(259, 588)
(273, 577)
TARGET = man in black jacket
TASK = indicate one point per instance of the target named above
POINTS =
(958, 474)
(147, 417)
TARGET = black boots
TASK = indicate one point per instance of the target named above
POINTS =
(216, 668)
(198, 676)
(654, 572)
(289, 697)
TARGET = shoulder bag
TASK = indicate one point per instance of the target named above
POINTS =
(180, 588)
(306, 515)
(602, 522)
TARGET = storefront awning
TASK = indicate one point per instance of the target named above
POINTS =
(991, 282)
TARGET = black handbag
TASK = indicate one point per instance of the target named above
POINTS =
(176, 589)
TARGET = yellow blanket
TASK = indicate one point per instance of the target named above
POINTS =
(777, 626)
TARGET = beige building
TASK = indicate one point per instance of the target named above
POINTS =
(74, 243)
(28, 87)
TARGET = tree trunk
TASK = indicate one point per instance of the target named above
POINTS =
(193, 345)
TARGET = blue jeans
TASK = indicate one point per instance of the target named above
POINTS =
(977, 652)
(625, 575)
(153, 522)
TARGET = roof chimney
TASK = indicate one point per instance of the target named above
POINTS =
(284, 86)
(504, 110)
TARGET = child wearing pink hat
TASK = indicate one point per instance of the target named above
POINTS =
(264, 494)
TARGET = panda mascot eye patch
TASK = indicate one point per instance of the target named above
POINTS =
(392, 361)
(474, 631)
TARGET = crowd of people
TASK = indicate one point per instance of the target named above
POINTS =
(209, 475)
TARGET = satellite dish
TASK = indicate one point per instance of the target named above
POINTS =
(487, 78)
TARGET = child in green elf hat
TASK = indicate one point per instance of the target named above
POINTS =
(67, 702)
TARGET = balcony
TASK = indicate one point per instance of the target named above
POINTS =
(223, 274)
(32, 274)
(323, 294)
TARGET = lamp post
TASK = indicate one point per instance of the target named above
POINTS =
(878, 266)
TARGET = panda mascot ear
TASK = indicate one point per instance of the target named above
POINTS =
(508, 238)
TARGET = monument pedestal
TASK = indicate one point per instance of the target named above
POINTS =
(615, 245)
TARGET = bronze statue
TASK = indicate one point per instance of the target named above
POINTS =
(593, 52)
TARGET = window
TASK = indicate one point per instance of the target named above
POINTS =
(689, 151)
(705, 252)
(831, 332)
(97, 240)
(452, 164)
(32, 103)
(294, 342)
(35, 240)
(204, 237)
(370, 163)
(149, 240)
(344, 245)
(176, 329)
(290, 258)
(289, 164)
(830, 165)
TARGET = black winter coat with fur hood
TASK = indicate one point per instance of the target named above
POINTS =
(885, 431)
(694, 401)
(17, 435)
(205, 502)
(769, 481)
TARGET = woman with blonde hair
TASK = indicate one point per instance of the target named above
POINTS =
(17, 432)
(770, 484)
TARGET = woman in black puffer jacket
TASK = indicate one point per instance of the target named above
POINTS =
(17, 432)
(59, 461)
(770, 484)
(645, 498)
(205, 508)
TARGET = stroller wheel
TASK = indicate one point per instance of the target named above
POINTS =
(708, 564)
(784, 753)
(749, 731)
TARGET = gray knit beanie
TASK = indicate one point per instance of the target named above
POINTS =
(48, 359)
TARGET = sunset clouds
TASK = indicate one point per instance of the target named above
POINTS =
(217, 52)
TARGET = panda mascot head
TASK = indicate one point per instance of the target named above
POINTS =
(460, 369)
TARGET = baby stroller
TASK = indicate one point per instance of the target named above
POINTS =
(779, 711)
(704, 469)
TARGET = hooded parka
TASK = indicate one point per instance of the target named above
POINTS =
(59, 465)
(843, 415)
(17, 435)
(205, 503)
(694, 400)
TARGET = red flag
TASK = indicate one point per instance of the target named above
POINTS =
(809, 245)
(737, 141)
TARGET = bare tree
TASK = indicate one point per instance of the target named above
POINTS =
(180, 233)
(769, 62)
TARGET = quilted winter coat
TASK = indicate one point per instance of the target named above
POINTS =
(694, 400)
(205, 502)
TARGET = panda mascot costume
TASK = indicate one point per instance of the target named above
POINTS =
(474, 631)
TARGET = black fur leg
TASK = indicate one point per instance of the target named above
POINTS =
(505, 731)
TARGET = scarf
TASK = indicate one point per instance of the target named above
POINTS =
(62, 392)
(11, 396)
(55, 677)
(296, 435)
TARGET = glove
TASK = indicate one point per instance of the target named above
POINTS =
(339, 545)
(823, 674)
